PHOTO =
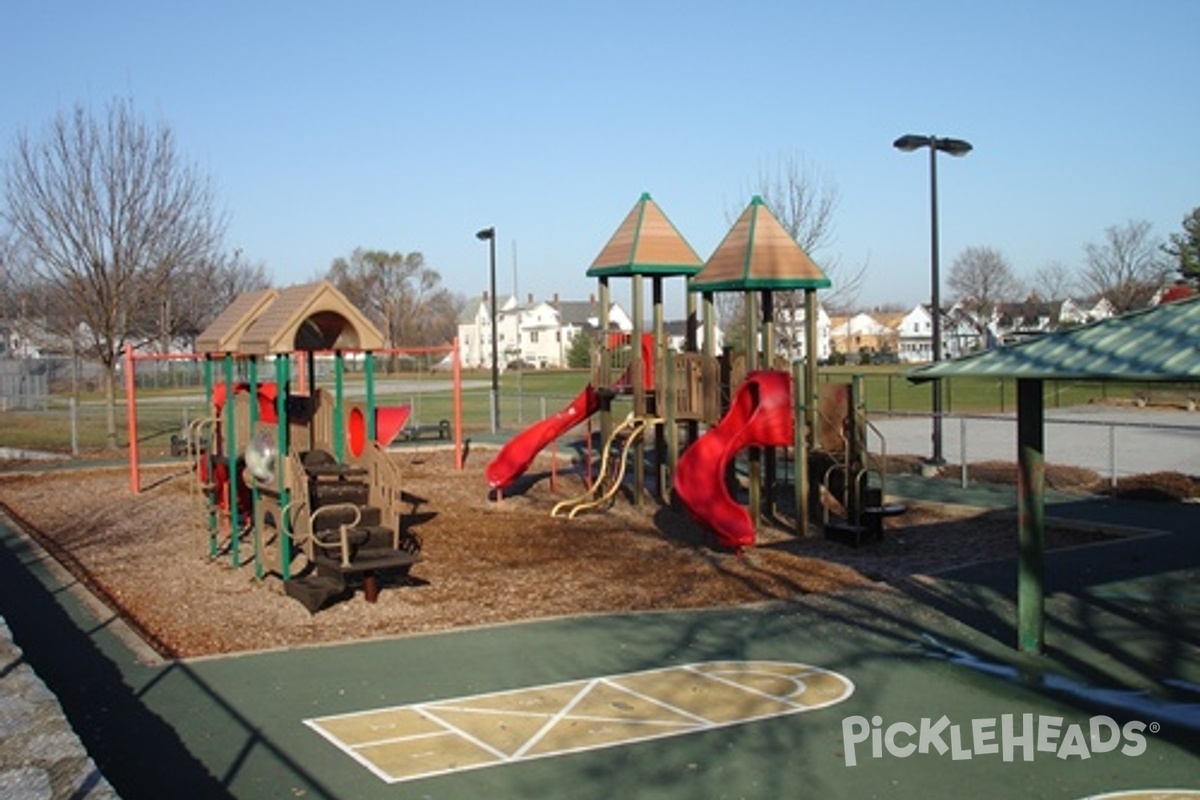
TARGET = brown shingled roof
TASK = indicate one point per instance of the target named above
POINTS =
(758, 253)
(646, 243)
(224, 334)
(313, 316)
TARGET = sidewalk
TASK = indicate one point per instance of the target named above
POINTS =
(41, 757)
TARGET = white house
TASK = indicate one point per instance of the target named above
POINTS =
(791, 333)
(959, 335)
(537, 333)
(676, 335)
(861, 332)
(475, 329)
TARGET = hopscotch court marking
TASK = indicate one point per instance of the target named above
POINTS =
(422, 740)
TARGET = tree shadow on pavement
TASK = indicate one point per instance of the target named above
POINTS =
(139, 752)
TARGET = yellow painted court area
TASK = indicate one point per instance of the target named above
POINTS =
(425, 739)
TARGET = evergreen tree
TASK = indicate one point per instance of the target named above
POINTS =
(1184, 248)
(579, 355)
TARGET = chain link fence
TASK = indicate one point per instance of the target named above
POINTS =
(1112, 441)
(1114, 430)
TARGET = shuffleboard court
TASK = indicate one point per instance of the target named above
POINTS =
(404, 743)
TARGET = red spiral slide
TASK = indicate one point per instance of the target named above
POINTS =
(760, 414)
(516, 456)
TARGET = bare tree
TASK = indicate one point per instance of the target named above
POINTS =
(399, 293)
(1055, 281)
(1127, 268)
(203, 289)
(804, 202)
(980, 278)
(108, 213)
(10, 283)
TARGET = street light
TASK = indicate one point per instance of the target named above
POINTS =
(489, 235)
(954, 147)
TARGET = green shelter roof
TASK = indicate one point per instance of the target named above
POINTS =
(646, 243)
(1161, 343)
(758, 253)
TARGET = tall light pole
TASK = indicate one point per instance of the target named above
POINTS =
(489, 235)
(954, 147)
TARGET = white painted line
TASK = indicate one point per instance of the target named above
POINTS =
(422, 740)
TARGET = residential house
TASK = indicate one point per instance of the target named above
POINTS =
(14, 343)
(1014, 322)
(475, 329)
(791, 333)
(538, 333)
(862, 332)
(915, 334)
(676, 334)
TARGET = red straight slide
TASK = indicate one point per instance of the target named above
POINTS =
(516, 456)
(761, 415)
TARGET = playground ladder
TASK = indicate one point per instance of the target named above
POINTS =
(612, 470)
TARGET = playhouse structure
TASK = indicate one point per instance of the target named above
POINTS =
(748, 403)
(294, 476)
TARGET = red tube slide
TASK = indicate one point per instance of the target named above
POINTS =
(516, 456)
(760, 414)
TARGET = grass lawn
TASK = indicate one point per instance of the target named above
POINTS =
(524, 397)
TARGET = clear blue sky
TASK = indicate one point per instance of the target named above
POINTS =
(410, 125)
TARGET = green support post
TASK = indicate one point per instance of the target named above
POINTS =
(339, 409)
(231, 446)
(369, 380)
(209, 499)
(282, 373)
(252, 375)
(1031, 519)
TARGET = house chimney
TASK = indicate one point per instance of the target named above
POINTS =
(530, 299)
(592, 299)
(485, 295)
(556, 298)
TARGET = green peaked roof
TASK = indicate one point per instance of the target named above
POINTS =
(646, 243)
(1161, 343)
(758, 253)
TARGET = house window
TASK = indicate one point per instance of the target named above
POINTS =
(533, 337)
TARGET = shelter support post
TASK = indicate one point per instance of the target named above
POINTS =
(1031, 516)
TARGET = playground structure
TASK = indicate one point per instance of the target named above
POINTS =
(297, 473)
(672, 395)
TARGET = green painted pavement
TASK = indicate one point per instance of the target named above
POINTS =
(233, 726)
